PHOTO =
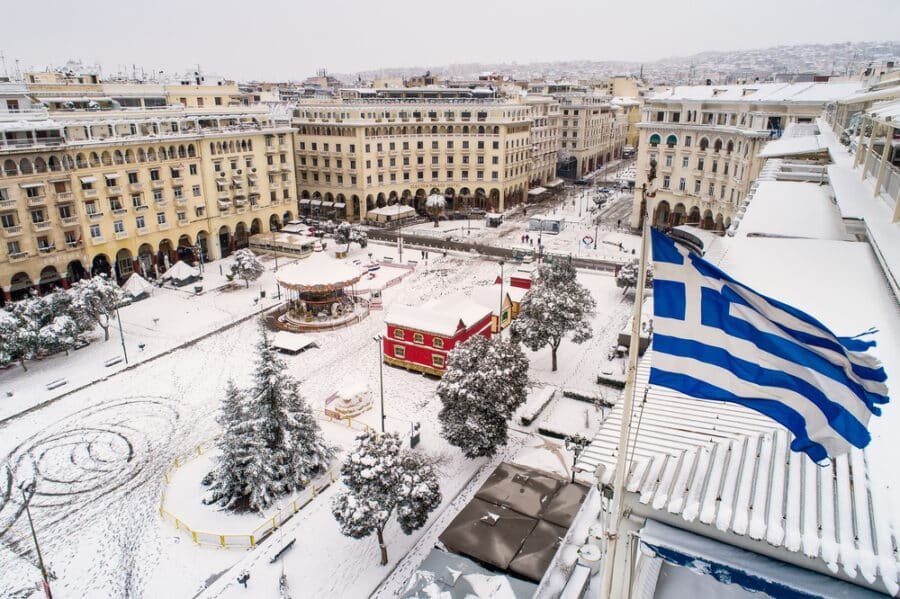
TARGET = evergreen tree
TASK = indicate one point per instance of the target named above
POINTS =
(241, 468)
(434, 206)
(95, 301)
(381, 479)
(556, 305)
(10, 339)
(484, 384)
(294, 441)
(628, 275)
(247, 266)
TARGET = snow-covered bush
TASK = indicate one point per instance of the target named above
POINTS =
(628, 275)
(434, 206)
(247, 266)
(383, 479)
(484, 384)
(95, 301)
(271, 443)
(556, 305)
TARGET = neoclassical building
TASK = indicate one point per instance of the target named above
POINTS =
(124, 190)
(705, 141)
(593, 132)
(354, 155)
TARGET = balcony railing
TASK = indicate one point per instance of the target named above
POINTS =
(142, 230)
(136, 187)
(46, 249)
(16, 256)
(12, 231)
(37, 200)
(99, 240)
(157, 184)
(89, 193)
(164, 226)
(113, 190)
(118, 211)
(69, 221)
(7, 204)
(71, 245)
(121, 234)
(40, 225)
(95, 215)
(64, 196)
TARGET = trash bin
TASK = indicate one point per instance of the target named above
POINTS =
(262, 293)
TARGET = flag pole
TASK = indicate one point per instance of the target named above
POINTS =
(617, 507)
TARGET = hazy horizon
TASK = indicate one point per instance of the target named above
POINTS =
(292, 41)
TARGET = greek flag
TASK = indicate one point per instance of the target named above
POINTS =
(715, 338)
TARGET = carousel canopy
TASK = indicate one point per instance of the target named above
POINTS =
(320, 272)
(181, 271)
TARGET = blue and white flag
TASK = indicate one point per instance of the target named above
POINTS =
(715, 338)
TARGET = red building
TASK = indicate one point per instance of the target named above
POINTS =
(523, 277)
(420, 337)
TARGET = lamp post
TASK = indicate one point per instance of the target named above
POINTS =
(500, 313)
(37, 547)
(121, 334)
(378, 341)
(576, 445)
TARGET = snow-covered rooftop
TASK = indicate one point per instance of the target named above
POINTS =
(793, 146)
(393, 210)
(793, 209)
(761, 92)
(441, 316)
(319, 270)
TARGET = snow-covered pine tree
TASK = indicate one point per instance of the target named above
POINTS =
(56, 322)
(297, 447)
(381, 478)
(434, 206)
(358, 235)
(484, 384)
(10, 340)
(95, 301)
(242, 468)
(628, 274)
(342, 235)
(556, 305)
(247, 266)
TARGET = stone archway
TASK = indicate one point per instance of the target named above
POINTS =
(124, 264)
(255, 226)
(661, 214)
(75, 271)
(186, 250)
(693, 217)
(20, 286)
(100, 265)
(241, 236)
(165, 255)
(50, 279)
(225, 241)
(274, 223)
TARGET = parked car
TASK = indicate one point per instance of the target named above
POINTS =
(581, 181)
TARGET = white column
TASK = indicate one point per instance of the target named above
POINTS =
(882, 168)
(862, 176)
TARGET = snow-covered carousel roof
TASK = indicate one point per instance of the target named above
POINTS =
(318, 273)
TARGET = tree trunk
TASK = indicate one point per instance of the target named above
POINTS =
(105, 332)
(384, 556)
(247, 281)
(22, 362)
(553, 353)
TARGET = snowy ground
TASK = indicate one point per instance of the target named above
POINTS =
(97, 455)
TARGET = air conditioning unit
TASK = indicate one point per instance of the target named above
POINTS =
(238, 171)
(253, 169)
(221, 173)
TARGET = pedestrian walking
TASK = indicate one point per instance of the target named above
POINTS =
(243, 577)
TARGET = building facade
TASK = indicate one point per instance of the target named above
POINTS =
(705, 141)
(117, 191)
(356, 155)
(545, 138)
(592, 133)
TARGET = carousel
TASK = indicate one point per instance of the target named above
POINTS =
(320, 292)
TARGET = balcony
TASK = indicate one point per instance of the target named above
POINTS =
(46, 249)
(177, 180)
(140, 207)
(7, 204)
(37, 200)
(223, 206)
(142, 230)
(157, 184)
(99, 240)
(272, 168)
(71, 245)
(69, 221)
(113, 190)
(95, 215)
(121, 234)
(254, 189)
(89, 193)
(224, 195)
(63, 197)
(41, 225)
(164, 226)
(136, 187)
(12, 231)
(18, 256)
(180, 201)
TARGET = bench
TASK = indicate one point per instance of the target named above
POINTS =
(388, 258)
(282, 551)
(57, 384)
(112, 361)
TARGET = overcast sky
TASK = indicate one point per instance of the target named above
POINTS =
(290, 39)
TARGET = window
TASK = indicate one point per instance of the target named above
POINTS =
(91, 208)
(7, 220)
(700, 164)
(181, 216)
(681, 184)
(178, 193)
(95, 231)
(712, 189)
(37, 216)
(438, 342)
(118, 226)
(687, 141)
(437, 361)
(697, 187)
(157, 195)
(140, 223)
(13, 248)
(154, 174)
(132, 177)
(684, 161)
(399, 351)
(398, 333)
(669, 160)
(195, 190)
(160, 218)
(715, 166)
(192, 168)
(666, 181)
(418, 338)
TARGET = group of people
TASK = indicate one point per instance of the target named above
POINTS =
(526, 238)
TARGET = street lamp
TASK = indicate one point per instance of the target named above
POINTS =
(576, 445)
(26, 500)
(121, 334)
(378, 340)
(500, 313)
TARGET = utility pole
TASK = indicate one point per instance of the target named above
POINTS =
(500, 314)
(37, 548)
(378, 340)
(121, 335)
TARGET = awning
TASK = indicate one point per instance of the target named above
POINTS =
(31, 185)
(304, 202)
(555, 184)
(112, 175)
(237, 180)
(222, 180)
(340, 205)
(252, 176)
(315, 203)
(536, 191)
(327, 204)
(88, 179)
